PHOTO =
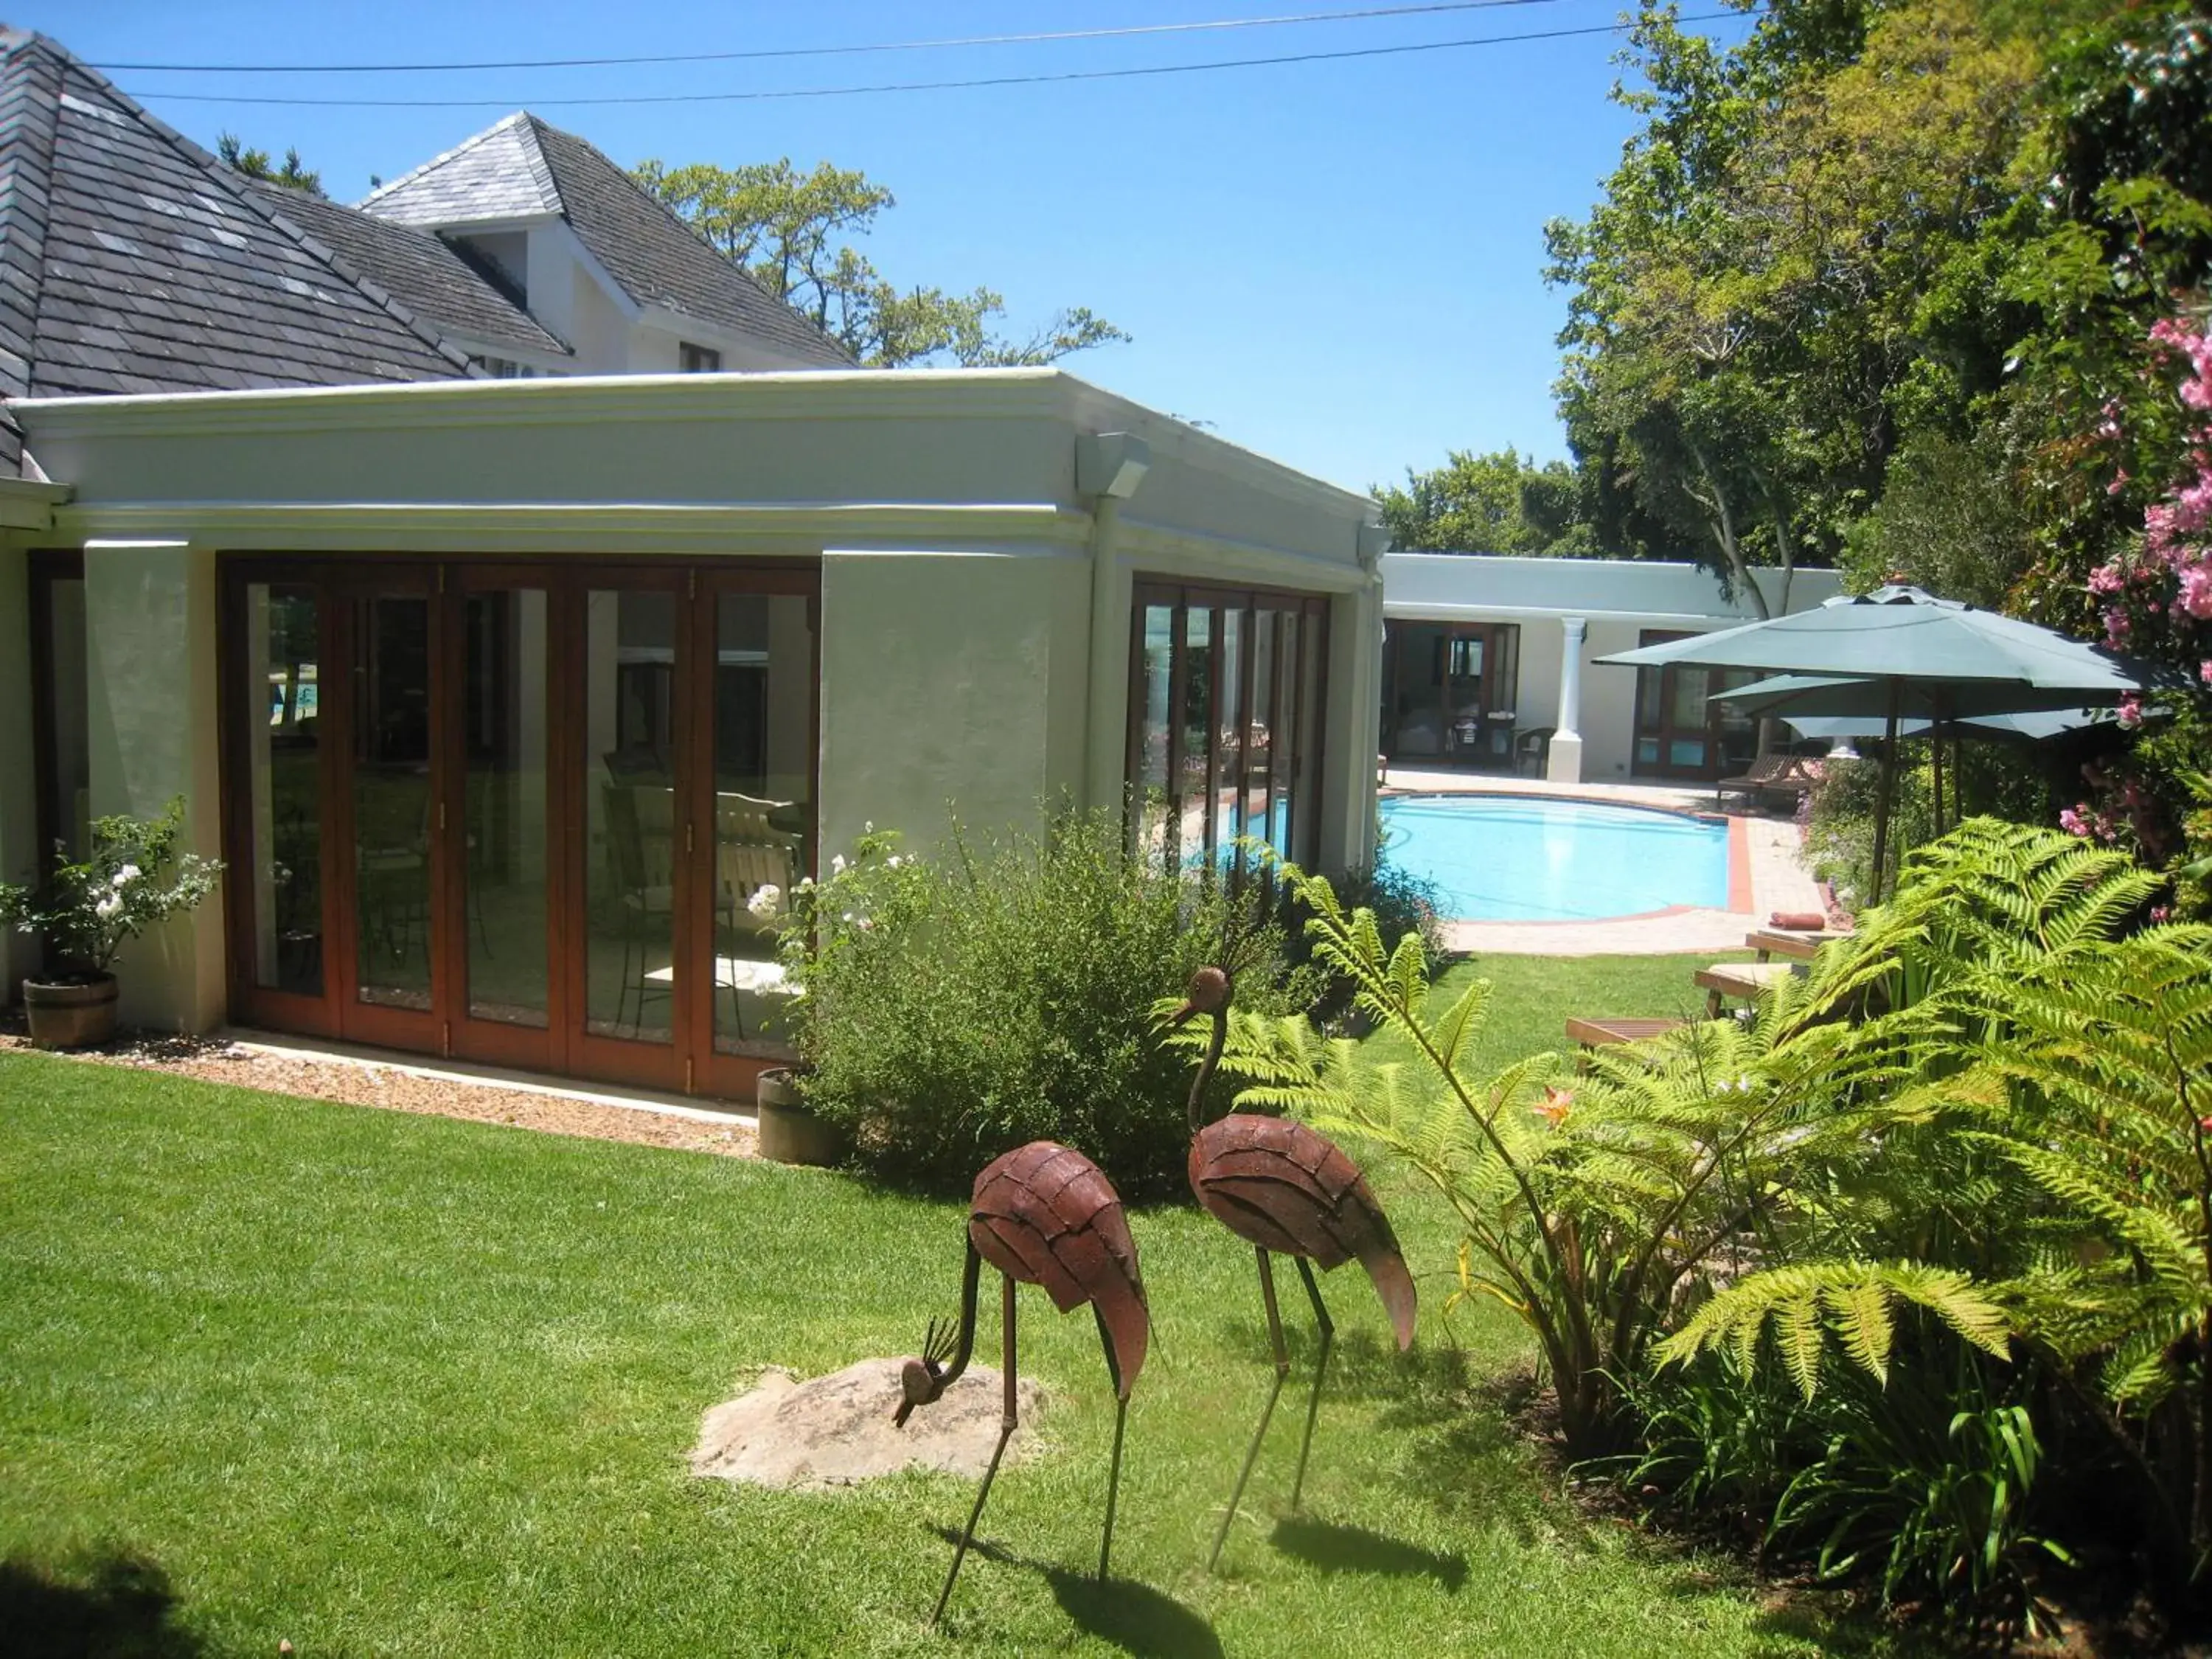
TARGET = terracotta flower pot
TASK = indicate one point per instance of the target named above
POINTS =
(70, 1013)
(789, 1130)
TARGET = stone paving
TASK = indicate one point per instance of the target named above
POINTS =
(1778, 880)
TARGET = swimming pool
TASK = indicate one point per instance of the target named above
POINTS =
(1508, 858)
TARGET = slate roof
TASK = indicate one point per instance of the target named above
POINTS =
(523, 168)
(132, 260)
(434, 280)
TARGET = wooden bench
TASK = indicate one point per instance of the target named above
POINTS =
(1793, 776)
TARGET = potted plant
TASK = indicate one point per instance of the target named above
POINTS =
(133, 878)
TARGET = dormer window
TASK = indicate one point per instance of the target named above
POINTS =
(698, 359)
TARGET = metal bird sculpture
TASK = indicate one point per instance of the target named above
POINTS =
(1044, 1214)
(1288, 1191)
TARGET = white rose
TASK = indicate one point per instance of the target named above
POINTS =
(129, 872)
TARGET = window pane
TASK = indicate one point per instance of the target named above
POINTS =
(1151, 780)
(1229, 740)
(1289, 790)
(1304, 826)
(504, 834)
(629, 805)
(392, 800)
(1260, 757)
(763, 809)
(285, 784)
(69, 775)
(1197, 749)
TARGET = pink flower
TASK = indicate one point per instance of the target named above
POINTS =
(2119, 482)
(2162, 912)
(2106, 578)
(2204, 670)
(2196, 591)
(2131, 713)
(2070, 820)
(2116, 626)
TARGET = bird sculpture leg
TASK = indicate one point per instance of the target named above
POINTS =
(1121, 1416)
(1267, 1413)
(1007, 1422)
(1321, 1365)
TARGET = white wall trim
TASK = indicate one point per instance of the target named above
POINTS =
(567, 526)
(783, 396)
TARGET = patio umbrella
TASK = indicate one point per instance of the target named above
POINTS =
(1905, 646)
(1823, 706)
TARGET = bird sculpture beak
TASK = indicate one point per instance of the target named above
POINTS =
(1181, 1015)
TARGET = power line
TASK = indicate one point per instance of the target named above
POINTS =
(926, 86)
(826, 51)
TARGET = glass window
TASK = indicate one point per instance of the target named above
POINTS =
(283, 660)
(392, 800)
(764, 744)
(504, 754)
(1223, 699)
(698, 359)
(629, 805)
(1148, 766)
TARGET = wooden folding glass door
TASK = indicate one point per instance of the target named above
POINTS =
(542, 817)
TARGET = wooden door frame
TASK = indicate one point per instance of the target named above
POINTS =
(713, 1072)
(690, 1062)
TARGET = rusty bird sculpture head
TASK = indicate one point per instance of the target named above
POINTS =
(1209, 993)
(923, 1380)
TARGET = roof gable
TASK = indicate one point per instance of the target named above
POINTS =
(497, 176)
(523, 168)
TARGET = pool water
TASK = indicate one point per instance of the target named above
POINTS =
(1501, 857)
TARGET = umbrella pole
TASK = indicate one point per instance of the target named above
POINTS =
(1935, 760)
(1881, 796)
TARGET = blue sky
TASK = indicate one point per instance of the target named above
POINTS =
(1337, 264)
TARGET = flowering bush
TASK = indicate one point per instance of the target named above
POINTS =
(2156, 594)
(133, 880)
(954, 1008)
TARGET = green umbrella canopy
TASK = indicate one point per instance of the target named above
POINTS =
(1904, 635)
(1918, 700)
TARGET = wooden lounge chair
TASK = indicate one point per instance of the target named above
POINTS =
(1793, 776)
(1738, 979)
(1595, 1031)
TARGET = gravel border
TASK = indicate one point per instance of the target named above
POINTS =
(395, 1087)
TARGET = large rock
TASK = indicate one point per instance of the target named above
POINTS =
(837, 1430)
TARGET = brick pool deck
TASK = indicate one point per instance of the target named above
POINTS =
(1767, 849)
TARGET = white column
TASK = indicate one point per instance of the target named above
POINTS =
(1566, 753)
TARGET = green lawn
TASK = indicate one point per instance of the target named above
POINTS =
(385, 1384)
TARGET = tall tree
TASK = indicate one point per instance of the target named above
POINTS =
(255, 164)
(1789, 265)
(789, 231)
(1499, 503)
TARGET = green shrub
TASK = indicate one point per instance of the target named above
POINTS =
(1928, 1485)
(956, 1007)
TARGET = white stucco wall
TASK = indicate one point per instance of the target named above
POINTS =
(956, 556)
(150, 649)
(951, 684)
(19, 829)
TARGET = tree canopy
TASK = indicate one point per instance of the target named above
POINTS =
(791, 231)
(231, 151)
(1500, 503)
